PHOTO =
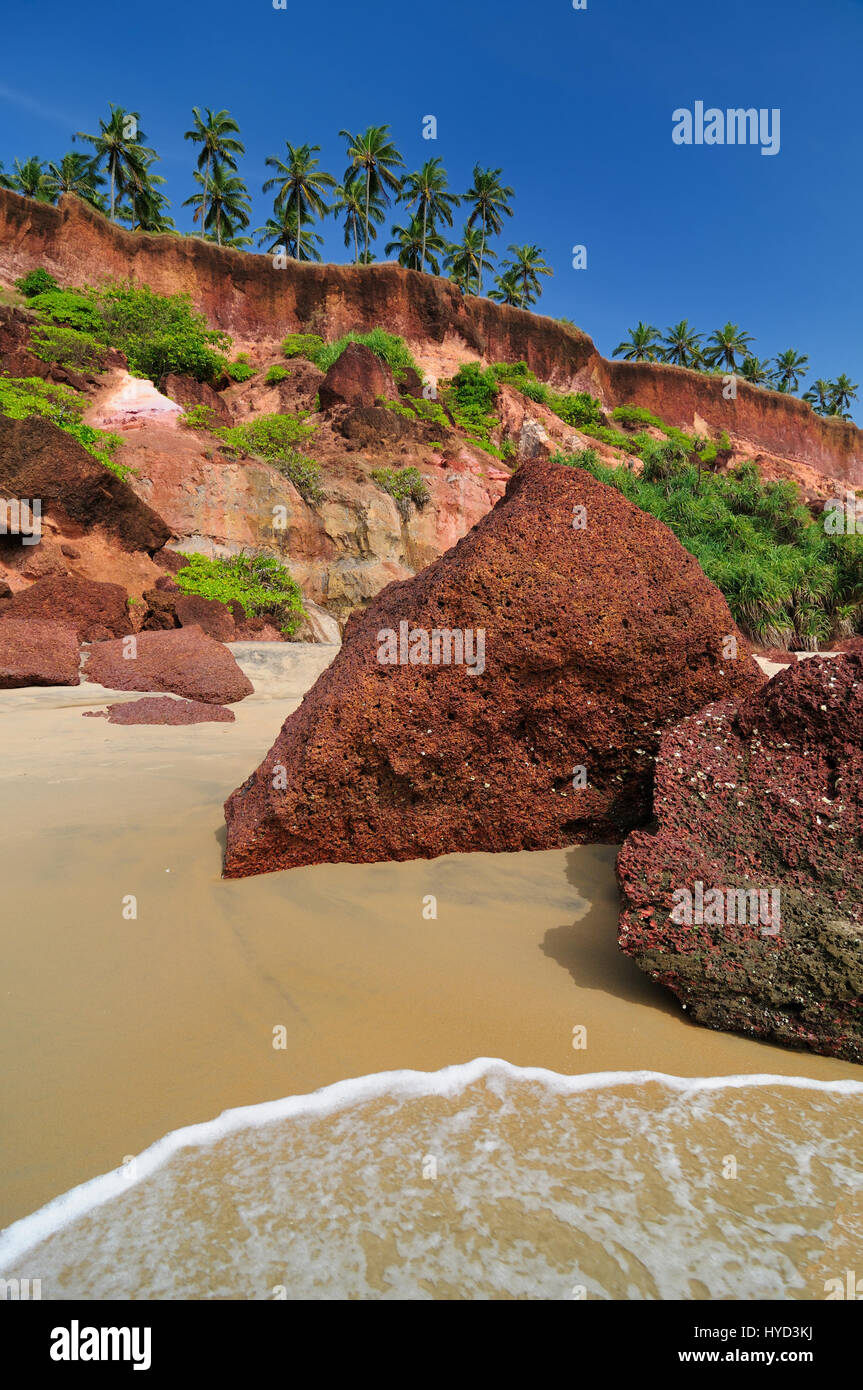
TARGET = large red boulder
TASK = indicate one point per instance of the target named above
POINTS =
(184, 662)
(580, 644)
(37, 653)
(94, 610)
(356, 378)
(746, 900)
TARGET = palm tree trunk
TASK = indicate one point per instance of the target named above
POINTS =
(368, 192)
(423, 257)
(112, 190)
(206, 191)
(481, 258)
(356, 243)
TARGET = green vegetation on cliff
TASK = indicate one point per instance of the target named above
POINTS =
(404, 485)
(259, 583)
(23, 397)
(787, 582)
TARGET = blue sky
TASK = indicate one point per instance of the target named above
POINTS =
(575, 106)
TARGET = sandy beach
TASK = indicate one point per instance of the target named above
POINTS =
(124, 1029)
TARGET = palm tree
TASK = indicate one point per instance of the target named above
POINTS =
(300, 184)
(215, 133)
(844, 392)
(282, 230)
(148, 207)
(724, 345)
(820, 396)
(428, 189)
(490, 204)
(125, 155)
(790, 366)
(228, 205)
(375, 153)
(29, 179)
(465, 260)
(527, 265)
(76, 173)
(415, 244)
(681, 345)
(5, 179)
(508, 290)
(350, 200)
(756, 371)
(642, 345)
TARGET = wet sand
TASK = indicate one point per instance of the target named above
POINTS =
(122, 1030)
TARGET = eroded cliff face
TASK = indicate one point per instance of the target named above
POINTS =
(258, 304)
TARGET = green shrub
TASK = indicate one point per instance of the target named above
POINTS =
(275, 438)
(239, 369)
(387, 346)
(786, 581)
(68, 348)
(199, 417)
(259, 583)
(36, 282)
(71, 309)
(160, 333)
(577, 410)
(472, 387)
(631, 415)
(302, 345)
(275, 374)
(23, 397)
(608, 436)
(404, 485)
(514, 373)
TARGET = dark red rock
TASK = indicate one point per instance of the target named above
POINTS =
(356, 378)
(37, 653)
(186, 391)
(595, 640)
(762, 797)
(212, 616)
(161, 709)
(91, 608)
(70, 551)
(182, 662)
(39, 460)
(160, 614)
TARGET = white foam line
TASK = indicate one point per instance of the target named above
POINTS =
(22, 1235)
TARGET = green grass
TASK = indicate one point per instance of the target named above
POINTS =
(786, 581)
(389, 347)
(404, 485)
(275, 374)
(259, 583)
(23, 397)
(276, 438)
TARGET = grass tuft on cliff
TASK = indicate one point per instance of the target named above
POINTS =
(276, 438)
(404, 485)
(259, 583)
(787, 582)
